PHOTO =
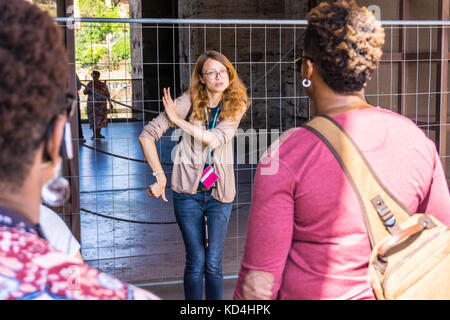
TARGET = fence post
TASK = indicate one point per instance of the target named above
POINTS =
(71, 168)
(403, 70)
(442, 74)
(137, 72)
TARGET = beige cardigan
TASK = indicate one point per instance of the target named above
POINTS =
(191, 154)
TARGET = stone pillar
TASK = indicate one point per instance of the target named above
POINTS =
(71, 210)
(137, 74)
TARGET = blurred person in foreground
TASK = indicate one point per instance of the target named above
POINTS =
(306, 233)
(34, 110)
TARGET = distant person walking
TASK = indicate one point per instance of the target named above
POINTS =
(98, 96)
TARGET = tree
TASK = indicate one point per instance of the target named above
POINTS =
(90, 41)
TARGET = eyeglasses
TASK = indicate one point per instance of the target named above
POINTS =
(211, 75)
(68, 110)
(298, 62)
(69, 105)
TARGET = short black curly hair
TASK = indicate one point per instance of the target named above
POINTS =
(345, 42)
(33, 83)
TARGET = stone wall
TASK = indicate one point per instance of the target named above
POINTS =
(262, 54)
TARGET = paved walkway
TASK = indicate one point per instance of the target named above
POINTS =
(115, 187)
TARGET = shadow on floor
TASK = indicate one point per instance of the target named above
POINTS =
(176, 291)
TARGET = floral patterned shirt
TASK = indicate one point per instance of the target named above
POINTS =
(30, 268)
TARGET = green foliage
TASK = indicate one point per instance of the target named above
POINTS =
(47, 5)
(97, 9)
(121, 46)
(90, 40)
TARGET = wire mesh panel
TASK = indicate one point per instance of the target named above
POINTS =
(135, 237)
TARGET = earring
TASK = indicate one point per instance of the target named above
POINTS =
(306, 83)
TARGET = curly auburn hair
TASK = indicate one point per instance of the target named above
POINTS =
(345, 42)
(235, 100)
(33, 82)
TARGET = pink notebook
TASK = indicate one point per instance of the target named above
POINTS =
(209, 176)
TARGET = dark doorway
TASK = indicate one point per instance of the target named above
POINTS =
(160, 53)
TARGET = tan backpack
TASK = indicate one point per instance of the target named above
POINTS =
(410, 252)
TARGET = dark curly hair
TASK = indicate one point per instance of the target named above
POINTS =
(33, 85)
(345, 42)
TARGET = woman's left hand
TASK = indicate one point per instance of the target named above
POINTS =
(170, 106)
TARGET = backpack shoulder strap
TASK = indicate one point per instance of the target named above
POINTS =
(189, 113)
(382, 211)
(186, 119)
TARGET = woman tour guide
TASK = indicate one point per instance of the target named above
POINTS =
(203, 182)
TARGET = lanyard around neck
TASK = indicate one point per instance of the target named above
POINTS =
(215, 117)
(213, 125)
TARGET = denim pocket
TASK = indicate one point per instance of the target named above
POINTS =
(177, 195)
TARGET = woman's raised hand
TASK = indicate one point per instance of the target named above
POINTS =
(170, 105)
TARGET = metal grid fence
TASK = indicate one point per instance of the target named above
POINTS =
(134, 237)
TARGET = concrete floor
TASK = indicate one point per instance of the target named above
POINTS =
(115, 187)
(175, 291)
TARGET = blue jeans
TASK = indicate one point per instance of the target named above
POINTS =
(201, 262)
